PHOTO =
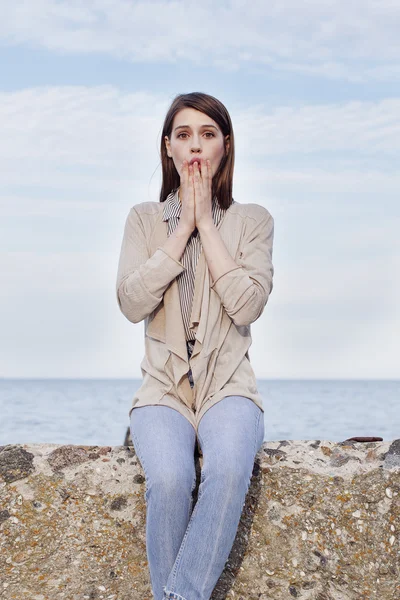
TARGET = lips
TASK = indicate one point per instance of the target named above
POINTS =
(195, 160)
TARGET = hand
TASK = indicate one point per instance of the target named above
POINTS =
(202, 193)
(186, 196)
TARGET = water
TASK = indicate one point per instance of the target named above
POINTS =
(95, 411)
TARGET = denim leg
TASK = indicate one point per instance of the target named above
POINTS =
(230, 434)
(164, 442)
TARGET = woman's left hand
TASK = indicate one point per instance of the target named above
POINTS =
(202, 193)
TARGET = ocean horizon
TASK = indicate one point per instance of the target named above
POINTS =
(94, 411)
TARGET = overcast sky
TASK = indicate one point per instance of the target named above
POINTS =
(313, 90)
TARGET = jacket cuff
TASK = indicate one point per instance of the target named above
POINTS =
(156, 275)
(232, 285)
(175, 261)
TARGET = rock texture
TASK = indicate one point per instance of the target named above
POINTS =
(321, 521)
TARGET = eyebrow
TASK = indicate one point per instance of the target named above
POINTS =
(188, 127)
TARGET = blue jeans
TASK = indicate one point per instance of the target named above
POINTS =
(187, 550)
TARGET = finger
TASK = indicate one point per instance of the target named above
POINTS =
(188, 172)
(204, 173)
(208, 169)
(196, 174)
(183, 174)
(202, 177)
(209, 178)
(191, 177)
(201, 169)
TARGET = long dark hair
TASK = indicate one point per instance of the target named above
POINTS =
(222, 180)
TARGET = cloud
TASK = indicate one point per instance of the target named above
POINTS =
(370, 128)
(77, 125)
(74, 159)
(355, 41)
(60, 318)
(70, 136)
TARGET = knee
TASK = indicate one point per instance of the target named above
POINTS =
(232, 472)
(169, 481)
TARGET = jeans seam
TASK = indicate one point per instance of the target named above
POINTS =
(191, 495)
(137, 446)
(167, 594)
(256, 432)
(183, 543)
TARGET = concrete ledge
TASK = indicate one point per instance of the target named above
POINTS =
(321, 521)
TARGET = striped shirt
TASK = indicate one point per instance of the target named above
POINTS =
(185, 280)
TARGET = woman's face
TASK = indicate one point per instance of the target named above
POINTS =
(195, 134)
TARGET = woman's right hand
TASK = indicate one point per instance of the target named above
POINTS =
(186, 196)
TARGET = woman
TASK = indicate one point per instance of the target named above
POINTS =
(197, 268)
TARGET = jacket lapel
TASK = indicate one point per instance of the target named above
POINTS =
(167, 324)
(201, 302)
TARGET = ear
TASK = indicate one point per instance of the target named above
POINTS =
(227, 144)
(168, 146)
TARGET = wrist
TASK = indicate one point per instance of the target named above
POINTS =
(183, 230)
(205, 224)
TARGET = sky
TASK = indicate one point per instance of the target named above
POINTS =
(313, 90)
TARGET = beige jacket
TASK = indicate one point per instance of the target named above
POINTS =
(221, 314)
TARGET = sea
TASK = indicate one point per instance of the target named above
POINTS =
(95, 411)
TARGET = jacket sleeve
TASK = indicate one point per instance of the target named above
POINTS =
(244, 291)
(142, 279)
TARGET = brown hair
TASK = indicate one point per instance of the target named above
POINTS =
(222, 180)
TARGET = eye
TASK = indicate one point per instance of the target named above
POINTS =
(207, 133)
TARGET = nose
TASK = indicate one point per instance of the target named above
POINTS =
(195, 146)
